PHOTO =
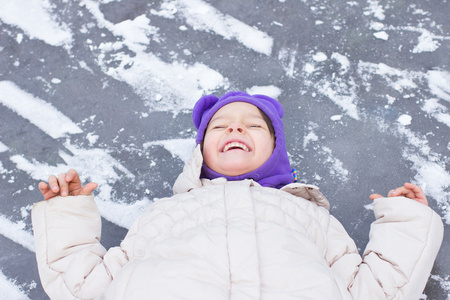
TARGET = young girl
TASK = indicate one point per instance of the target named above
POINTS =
(236, 228)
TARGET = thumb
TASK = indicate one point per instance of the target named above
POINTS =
(375, 196)
(88, 188)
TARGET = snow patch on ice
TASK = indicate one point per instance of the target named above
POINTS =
(444, 283)
(10, 290)
(369, 206)
(319, 57)
(427, 43)
(342, 93)
(336, 166)
(430, 167)
(437, 111)
(309, 68)
(136, 32)
(405, 120)
(181, 148)
(343, 61)
(268, 90)
(122, 214)
(3, 147)
(287, 60)
(381, 35)
(167, 10)
(49, 119)
(336, 118)
(375, 9)
(434, 179)
(101, 168)
(310, 137)
(16, 233)
(400, 80)
(92, 138)
(377, 26)
(439, 84)
(342, 90)
(177, 83)
(200, 15)
(35, 18)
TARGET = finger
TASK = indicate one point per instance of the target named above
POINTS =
(375, 196)
(415, 189)
(391, 193)
(46, 191)
(397, 192)
(401, 191)
(88, 188)
(423, 201)
(72, 176)
(64, 187)
(43, 187)
(53, 183)
(410, 191)
(419, 194)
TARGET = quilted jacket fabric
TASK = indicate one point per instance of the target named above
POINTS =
(235, 240)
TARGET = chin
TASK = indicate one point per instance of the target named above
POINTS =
(236, 171)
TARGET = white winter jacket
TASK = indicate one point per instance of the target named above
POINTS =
(235, 240)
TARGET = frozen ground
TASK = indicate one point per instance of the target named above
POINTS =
(107, 87)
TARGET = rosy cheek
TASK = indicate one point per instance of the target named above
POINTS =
(208, 150)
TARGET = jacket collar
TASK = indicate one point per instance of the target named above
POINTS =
(190, 179)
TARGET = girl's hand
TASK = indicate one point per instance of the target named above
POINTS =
(65, 185)
(409, 190)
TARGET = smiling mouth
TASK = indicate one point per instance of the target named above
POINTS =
(234, 146)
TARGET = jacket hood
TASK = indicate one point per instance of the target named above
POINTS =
(190, 179)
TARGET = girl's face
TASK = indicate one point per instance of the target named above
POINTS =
(237, 140)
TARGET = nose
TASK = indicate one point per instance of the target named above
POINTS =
(236, 128)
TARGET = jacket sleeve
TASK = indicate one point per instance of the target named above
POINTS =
(404, 241)
(341, 254)
(71, 261)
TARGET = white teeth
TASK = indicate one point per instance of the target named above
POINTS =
(234, 145)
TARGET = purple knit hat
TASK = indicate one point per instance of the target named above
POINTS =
(276, 171)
